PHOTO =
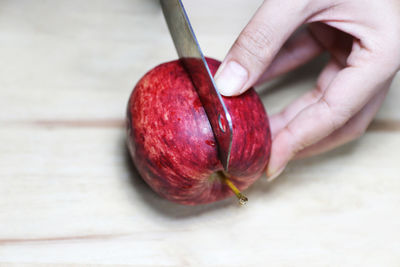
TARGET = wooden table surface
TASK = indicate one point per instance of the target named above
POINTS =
(70, 197)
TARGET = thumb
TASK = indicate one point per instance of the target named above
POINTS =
(257, 45)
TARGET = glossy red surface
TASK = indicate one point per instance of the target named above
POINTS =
(172, 143)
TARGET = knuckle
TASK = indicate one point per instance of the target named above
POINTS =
(383, 51)
(389, 62)
(317, 93)
(392, 62)
(336, 116)
(254, 43)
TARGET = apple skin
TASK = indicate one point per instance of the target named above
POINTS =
(172, 144)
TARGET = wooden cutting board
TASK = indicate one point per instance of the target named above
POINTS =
(70, 197)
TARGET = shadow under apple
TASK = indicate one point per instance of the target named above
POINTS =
(163, 206)
(289, 179)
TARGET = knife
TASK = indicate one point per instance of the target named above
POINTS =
(193, 60)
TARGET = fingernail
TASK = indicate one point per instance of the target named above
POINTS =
(274, 175)
(231, 78)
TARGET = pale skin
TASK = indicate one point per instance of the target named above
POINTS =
(363, 40)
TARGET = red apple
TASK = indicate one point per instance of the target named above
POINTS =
(173, 146)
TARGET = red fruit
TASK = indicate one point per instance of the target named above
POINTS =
(172, 143)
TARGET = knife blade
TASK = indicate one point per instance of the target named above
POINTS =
(195, 64)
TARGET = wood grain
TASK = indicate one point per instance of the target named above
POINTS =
(385, 126)
(56, 239)
(69, 195)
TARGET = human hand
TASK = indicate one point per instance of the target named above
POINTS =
(363, 39)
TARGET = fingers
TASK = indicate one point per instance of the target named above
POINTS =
(295, 52)
(347, 93)
(280, 120)
(307, 44)
(352, 130)
(258, 44)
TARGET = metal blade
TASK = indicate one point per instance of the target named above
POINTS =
(192, 57)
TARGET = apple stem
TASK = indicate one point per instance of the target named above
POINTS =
(242, 198)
